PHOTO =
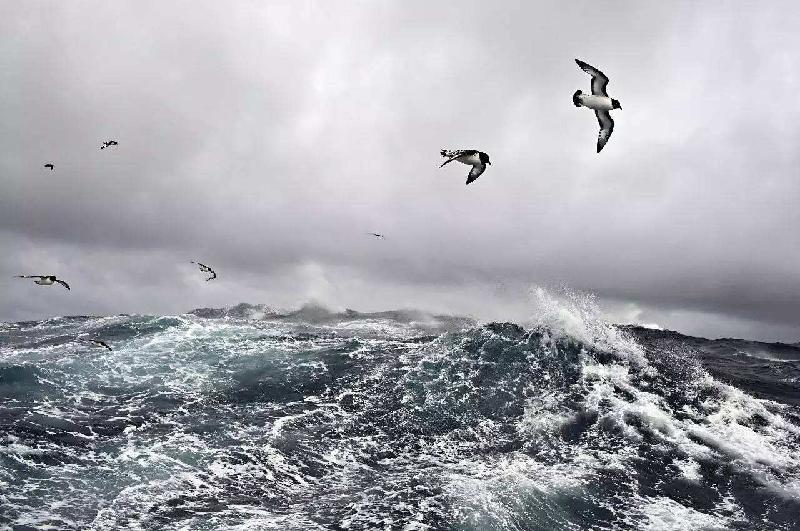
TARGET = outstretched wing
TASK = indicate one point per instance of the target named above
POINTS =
(456, 154)
(450, 155)
(102, 344)
(202, 267)
(606, 128)
(63, 283)
(475, 172)
(599, 79)
(29, 276)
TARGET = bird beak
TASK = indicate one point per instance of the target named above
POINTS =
(489, 163)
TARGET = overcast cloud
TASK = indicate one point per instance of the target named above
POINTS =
(266, 139)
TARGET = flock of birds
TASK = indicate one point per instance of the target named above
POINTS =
(599, 101)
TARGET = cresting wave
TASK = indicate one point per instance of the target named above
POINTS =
(248, 418)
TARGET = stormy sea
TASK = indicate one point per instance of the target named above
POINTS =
(253, 418)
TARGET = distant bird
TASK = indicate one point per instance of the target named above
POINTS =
(49, 166)
(45, 280)
(599, 101)
(97, 342)
(205, 269)
(379, 236)
(109, 143)
(477, 159)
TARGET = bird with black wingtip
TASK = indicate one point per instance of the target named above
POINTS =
(599, 101)
(97, 343)
(205, 269)
(471, 157)
(45, 280)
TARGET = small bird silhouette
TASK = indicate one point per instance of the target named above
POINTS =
(97, 342)
(109, 143)
(205, 269)
(50, 166)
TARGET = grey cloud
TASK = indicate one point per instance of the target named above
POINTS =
(266, 139)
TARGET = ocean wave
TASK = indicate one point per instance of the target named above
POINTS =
(251, 417)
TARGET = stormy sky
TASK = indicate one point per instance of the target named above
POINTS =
(267, 138)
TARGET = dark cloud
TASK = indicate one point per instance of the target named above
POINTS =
(266, 139)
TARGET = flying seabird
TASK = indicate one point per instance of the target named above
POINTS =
(97, 342)
(45, 280)
(50, 166)
(379, 236)
(599, 101)
(477, 159)
(109, 143)
(205, 269)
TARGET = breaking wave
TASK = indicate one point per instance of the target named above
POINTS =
(250, 418)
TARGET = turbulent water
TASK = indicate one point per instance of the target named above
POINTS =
(252, 419)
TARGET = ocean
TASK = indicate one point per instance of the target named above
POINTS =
(252, 418)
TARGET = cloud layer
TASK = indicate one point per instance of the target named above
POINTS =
(267, 139)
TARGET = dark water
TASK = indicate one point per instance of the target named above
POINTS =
(246, 419)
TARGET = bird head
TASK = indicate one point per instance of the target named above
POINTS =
(485, 158)
(615, 104)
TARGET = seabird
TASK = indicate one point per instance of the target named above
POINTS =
(50, 166)
(599, 101)
(477, 159)
(205, 269)
(98, 342)
(45, 280)
(379, 236)
(109, 143)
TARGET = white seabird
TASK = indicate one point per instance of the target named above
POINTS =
(45, 280)
(477, 159)
(599, 101)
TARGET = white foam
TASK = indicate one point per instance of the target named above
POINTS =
(665, 514)
(577, 315)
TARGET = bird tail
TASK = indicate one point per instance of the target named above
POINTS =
(575, 99)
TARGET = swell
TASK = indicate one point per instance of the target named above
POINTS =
(333, 420)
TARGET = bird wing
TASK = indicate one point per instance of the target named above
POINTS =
(102, 344)
(476, 172)
(606, 128)
(453, 154)
(63, 283)
(30, 276)
(599, 79)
